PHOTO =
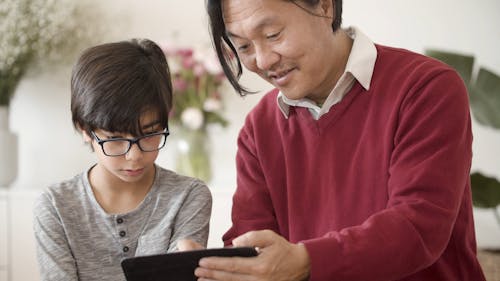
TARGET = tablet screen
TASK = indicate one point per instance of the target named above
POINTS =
(178, 266)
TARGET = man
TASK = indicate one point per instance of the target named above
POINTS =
(356, 167)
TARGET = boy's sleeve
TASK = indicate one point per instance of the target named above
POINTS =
(193, 220)
(54, 255)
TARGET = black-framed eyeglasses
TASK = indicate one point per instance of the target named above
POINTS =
(120, 146)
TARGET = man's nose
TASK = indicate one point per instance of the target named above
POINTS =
(265, 57)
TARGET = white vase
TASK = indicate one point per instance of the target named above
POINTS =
(8, 150)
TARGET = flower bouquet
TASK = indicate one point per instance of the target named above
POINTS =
(197, 78)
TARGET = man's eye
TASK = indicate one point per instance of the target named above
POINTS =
(274, 35)
(243, 48)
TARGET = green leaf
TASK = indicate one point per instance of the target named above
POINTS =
(481, 109)
(485, 98)
(212, 117)
(485, 191)
(463, 64)
(484, 90)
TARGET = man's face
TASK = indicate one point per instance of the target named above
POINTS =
(285, 45)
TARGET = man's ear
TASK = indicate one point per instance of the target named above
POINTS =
(327, 8)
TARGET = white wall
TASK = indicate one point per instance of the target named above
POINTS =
(50, 150)
(471, 27)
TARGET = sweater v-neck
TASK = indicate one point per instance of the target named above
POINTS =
(303, 115)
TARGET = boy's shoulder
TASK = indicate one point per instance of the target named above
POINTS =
(71, 185)
(170, 181)
(67, 191)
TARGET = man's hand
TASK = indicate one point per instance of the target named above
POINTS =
(277, 260)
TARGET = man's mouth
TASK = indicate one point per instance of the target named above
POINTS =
(280, 78)
(280, 74)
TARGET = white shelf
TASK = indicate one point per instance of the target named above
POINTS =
(4, 236)
(17, 247)
(4, 275)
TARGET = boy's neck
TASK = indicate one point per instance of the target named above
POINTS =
(116, 196)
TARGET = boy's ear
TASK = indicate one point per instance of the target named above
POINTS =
(85, 135)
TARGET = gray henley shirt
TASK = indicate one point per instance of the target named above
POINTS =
(77, 240)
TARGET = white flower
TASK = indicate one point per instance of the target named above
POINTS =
(39, 33)
(212, 105)
(192, 118)
(212, 65)
(209, 60)
(174, 66)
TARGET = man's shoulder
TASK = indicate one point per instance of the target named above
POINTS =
(405, 59)
(410, 69)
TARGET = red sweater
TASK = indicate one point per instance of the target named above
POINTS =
(376, 189)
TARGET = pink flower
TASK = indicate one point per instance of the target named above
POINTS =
(188, 62)
(180, 84)
(199, 70)
(185, 52)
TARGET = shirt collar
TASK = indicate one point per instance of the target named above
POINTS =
(361, 61)
(360, 64)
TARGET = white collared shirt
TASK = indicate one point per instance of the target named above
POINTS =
(360, 65)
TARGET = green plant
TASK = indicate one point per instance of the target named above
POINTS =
(484, 96)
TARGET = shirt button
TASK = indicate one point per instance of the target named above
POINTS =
(119, 220)
(125, 249)
(122, 233)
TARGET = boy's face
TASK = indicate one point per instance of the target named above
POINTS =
(134, 167)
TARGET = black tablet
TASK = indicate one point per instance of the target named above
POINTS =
(178, 266)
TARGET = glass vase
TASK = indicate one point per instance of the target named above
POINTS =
(193, 154)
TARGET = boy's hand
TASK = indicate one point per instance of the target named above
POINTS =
(188, 245)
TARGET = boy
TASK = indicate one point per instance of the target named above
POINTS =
(124, 205)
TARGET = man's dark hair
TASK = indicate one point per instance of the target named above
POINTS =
(225, 50)
(113, 84)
